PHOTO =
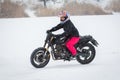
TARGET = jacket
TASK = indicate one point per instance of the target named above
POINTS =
(69, 29)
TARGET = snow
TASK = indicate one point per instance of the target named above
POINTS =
(60, 3)
(55, 5)
(20, 36)
(30, 13)
(116, 13)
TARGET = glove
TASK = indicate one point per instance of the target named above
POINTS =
(48, 31)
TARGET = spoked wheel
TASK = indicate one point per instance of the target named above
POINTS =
(40, 58)
(87, 54)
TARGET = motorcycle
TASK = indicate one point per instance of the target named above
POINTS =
(85, 51)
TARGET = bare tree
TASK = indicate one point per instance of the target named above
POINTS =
(44, 1)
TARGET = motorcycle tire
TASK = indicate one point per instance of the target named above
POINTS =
(87, 55)
(40, 57)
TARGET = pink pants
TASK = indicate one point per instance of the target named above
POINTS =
(70, 44)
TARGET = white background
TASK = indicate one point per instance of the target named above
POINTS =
(19, 37)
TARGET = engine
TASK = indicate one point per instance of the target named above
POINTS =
(60, 52)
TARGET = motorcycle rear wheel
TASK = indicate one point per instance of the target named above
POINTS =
(40, 57)
(87, 54)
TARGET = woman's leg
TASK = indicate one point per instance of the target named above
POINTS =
(70, 45)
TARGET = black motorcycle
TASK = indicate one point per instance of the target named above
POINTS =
(85, 51)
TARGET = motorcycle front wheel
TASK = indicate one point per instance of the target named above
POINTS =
(40, 57)
(87, 54)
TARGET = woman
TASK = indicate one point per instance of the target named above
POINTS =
(69, 31)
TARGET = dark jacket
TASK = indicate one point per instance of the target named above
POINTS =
(69, 29)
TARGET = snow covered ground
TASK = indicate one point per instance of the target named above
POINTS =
(20, 36)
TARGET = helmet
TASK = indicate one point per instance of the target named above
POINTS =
(63, 15)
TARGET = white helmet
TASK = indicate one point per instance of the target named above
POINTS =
(63, 14)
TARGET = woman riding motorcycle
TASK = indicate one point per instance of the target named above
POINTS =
(70, 32)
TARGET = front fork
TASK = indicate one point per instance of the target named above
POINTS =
(47, 45)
